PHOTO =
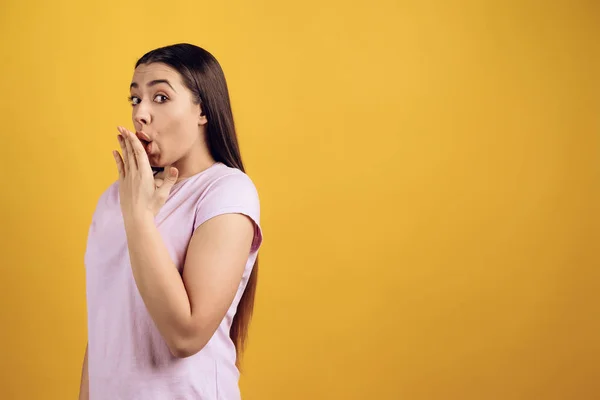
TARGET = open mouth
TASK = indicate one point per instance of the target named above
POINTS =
(145, 140)
(147, 146)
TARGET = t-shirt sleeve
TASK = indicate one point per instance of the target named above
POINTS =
(231, 194)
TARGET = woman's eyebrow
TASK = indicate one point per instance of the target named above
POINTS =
(134, 85)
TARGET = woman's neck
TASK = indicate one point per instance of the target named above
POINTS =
(190, 165)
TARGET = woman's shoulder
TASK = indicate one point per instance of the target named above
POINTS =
(226, 187)
(109, 193)
(223, 178)
(107, 202)
(227, 190)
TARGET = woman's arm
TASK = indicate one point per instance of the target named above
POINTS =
(188, 311)
(84, 387)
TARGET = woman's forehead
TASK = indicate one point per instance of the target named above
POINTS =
(146, 73)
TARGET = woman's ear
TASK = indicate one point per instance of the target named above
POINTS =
(202, 120)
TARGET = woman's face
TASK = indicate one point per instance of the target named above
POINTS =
(167, 121)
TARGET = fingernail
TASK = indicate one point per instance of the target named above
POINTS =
(173, 172)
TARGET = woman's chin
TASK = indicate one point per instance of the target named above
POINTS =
(155, 162)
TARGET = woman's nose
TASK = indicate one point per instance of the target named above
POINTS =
(141, 115)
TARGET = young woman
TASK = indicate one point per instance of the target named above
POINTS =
(172, 247)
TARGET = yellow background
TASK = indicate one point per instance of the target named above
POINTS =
(429, 175)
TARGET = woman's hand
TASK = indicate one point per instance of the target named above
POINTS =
(139, 194)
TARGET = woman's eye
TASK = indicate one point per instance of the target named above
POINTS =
(134, 100)
(160, 98)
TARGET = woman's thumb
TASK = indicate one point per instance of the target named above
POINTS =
(169, 180)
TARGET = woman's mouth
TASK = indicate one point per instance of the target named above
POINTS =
(142, 136)
(147, 146)
(146, 141)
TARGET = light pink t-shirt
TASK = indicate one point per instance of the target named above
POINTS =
(127, 357)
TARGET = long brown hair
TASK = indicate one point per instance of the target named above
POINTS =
(203, 75)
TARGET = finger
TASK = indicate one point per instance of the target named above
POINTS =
(121, 140)
(120, 166)
(130, 156)
(140, 155)
(170, 179)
